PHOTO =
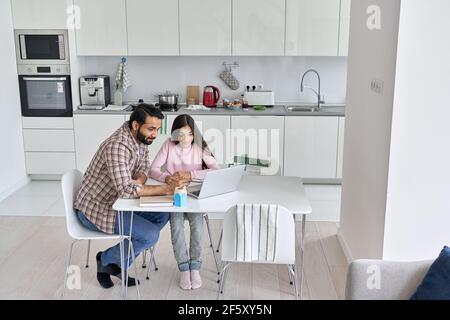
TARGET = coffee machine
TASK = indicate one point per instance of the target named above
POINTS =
(94, 92)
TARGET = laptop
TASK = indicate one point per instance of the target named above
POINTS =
(218, 182)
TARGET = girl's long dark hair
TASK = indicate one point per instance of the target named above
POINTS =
(186, 120)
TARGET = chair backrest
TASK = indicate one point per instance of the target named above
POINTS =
(71, 183)
(284, 245)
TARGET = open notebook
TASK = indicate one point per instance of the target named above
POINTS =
(156, 201)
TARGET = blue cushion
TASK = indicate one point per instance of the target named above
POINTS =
(436, 284)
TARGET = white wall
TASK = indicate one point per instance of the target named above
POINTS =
(367, 130)
(418, 201)
(153, 75)
(12, 162)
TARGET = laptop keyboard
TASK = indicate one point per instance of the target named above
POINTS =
(196, 192)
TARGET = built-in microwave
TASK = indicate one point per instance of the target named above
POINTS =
(39, 47)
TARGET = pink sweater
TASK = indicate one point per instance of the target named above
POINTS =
(176, 159)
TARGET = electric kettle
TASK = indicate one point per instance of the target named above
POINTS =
(211, 95)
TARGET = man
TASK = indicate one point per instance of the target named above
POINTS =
(119, 170)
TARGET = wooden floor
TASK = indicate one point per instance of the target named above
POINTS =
(33, 255)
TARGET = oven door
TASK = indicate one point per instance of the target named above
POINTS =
(45, 95)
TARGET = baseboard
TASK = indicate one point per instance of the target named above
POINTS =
(344, 247)
(14, 188)
(46, 177)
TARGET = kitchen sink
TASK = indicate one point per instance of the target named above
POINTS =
(301, 109)
(313, 108)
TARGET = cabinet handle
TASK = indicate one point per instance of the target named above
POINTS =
(45, 79)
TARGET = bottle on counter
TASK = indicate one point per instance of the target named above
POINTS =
(118, 97)
(244, 103)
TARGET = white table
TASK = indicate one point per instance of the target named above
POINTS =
(285, 191)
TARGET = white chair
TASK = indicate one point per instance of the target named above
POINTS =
(253, 167)
(71, 182)
(284, 246)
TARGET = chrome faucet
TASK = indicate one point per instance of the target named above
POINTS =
(319, 97)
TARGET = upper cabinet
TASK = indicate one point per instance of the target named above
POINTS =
(258, 27)
(153, 27)
(103, 28)
(344, 28)
(205, 27)
(312, 27)
(42, 14)
(201, 27)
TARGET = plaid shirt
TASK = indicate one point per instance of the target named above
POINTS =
(109, 176)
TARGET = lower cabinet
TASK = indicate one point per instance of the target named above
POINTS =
(90, 131)
(48, 145)
(311, 147)
(304, 146)
(259, 137)
(51, 163)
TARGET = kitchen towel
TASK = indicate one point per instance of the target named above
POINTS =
(229, 79)
(122, 80)
(256, 230)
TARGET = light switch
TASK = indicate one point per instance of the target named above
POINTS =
(377, 86)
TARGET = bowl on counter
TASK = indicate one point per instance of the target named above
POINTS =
(234, 106)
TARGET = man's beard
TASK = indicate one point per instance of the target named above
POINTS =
(142, 138)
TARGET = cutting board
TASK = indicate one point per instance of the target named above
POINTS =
(194, 93)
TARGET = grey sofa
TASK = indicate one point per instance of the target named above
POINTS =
(384, 280)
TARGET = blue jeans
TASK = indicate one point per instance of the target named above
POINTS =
(145, 233)
(191, 260)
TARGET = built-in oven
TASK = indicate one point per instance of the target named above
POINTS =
(41, 47)
(43, 95)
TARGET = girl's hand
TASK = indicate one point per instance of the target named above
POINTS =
(183, 176)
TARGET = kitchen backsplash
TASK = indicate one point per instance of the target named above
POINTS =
(153, 75)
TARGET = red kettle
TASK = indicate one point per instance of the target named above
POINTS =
(211, 95)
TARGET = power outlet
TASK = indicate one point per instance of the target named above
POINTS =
(253, 87)
(377, 86)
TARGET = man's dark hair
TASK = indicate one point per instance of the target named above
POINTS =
(142, 111)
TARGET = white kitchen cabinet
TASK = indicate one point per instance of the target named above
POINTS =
(90, 131)
(311, 145)
(47, 123)
(312, 27)
(49, 163)
(344, 29)
(41, 14)
(103, 28)
(205, 27)
(48, 140)
(340, 155)
(258, 137)
(258, 27)
(153, 27)
(48, 145)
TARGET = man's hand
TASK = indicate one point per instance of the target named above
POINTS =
(184, 176)
(172, 184)
(139, 178)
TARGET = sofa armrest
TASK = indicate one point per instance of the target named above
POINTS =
(384, 280)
